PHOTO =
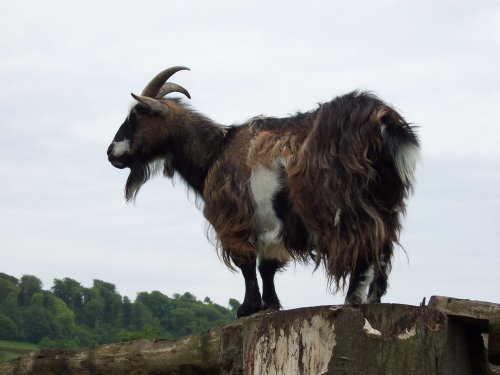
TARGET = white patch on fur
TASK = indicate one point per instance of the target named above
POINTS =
(362, 289)
(264, 184)
(383, 262)
(131, 105)
(406, 159)
(372, 298)
(156, 167)
(120, 148)
(336, 221)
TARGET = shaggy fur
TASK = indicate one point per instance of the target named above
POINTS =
(344, 172)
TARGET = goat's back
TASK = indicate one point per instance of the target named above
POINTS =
(338, 176)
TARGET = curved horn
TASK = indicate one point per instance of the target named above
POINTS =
(169, 87)
(152, 88)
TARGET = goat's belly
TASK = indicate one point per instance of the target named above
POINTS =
(264, 185)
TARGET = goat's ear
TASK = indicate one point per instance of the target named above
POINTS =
(153, 104)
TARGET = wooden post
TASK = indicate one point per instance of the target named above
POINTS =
(368, 339)
(476, 316)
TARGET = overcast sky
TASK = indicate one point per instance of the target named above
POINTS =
(67, 69)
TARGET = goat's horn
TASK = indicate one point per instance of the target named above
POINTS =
(157, 82)
(169, 87)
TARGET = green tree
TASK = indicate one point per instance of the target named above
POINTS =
(93, 308)
(11, 279)
(159, 304)
(86, 336)
(8, 288)
(35, 324)
(111, 299)
(9, 292)
(234, 304)
(28, 285)
(207, 300)
(187, 297)
(126, 313)
(8, 328)
(60, 316)
(48, 343)
(142, 317)
(71, 292)
(183, 322)
(70, 315)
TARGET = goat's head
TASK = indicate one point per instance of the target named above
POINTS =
(137, 144)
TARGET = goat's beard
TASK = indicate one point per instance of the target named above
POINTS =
(139, 174)
(142, 170)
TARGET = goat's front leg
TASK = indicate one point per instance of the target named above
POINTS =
(253, 301)
(267, 270)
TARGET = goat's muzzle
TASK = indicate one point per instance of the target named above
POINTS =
(113, 159)
(117, 164)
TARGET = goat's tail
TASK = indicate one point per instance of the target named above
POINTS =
(354, 132)
(400, 141)
(350, 180)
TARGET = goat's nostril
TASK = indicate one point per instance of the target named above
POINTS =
(110, 149)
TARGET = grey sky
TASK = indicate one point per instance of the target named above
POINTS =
(67, 69)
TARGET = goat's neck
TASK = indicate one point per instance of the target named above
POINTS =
(195, 143)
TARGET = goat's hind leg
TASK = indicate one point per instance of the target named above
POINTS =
(360, 279)
(253, 301)
(378, 286)
(267, 270)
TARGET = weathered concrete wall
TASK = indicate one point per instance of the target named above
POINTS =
(368, 339)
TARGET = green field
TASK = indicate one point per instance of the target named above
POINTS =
(12, 349)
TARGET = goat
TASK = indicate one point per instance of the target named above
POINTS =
(328, 185)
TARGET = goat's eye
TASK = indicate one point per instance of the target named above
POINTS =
(141, 110)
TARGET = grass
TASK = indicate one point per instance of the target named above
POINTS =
(13, 349)
(7, 356)
(17, 346)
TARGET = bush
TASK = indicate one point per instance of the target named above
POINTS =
(48, 343)
(8, 328)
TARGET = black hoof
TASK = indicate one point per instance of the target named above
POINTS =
(247, 309)
(271, 306)
(353, 300)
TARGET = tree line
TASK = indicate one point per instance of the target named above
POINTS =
(71, 316)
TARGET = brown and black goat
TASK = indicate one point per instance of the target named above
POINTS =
(327, 185)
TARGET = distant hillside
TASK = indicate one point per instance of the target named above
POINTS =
(72, 316)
